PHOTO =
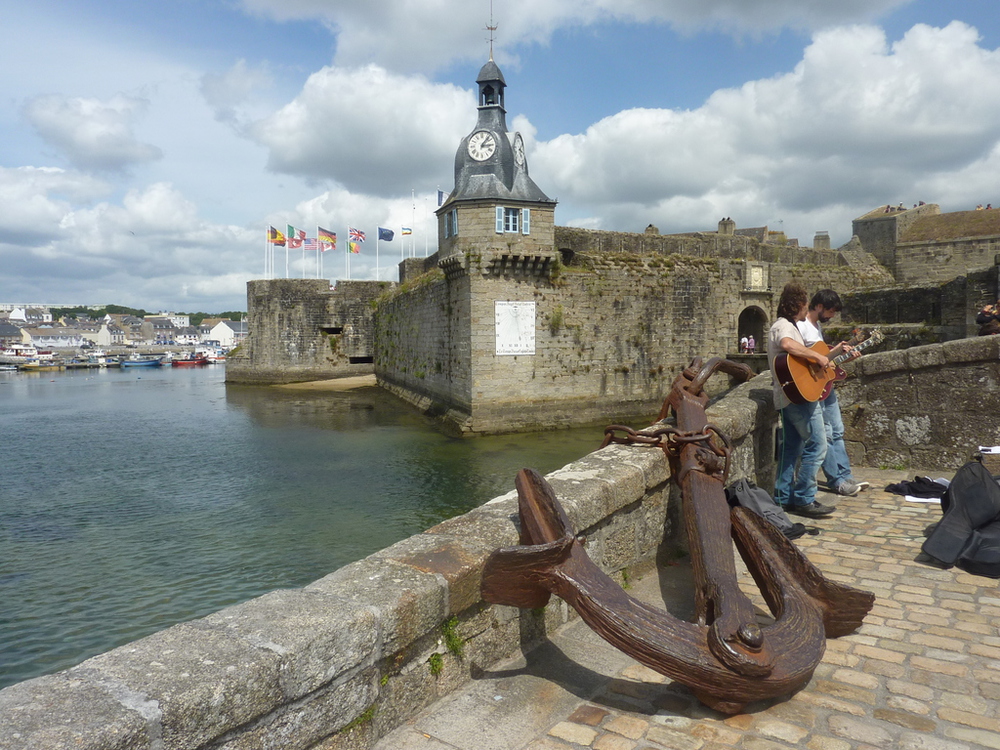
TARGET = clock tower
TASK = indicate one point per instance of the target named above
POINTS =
(495, 203)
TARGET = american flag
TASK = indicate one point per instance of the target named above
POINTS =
(356, 234)
(310, 243)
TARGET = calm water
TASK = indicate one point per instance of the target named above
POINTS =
(134, 499)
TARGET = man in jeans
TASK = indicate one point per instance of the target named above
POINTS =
(803, 433)
(823, 306)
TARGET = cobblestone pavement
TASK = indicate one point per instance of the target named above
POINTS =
(922, 673)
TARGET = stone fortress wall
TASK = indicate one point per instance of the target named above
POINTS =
(617, 317)
(341, 662)
(302, 329)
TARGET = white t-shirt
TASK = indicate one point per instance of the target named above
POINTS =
(811, 332)
(782, 328)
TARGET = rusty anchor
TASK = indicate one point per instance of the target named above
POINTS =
(725, 656)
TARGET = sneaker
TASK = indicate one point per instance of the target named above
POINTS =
(848, 489)
(812, 510)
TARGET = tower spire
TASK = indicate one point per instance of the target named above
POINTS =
(491, 27)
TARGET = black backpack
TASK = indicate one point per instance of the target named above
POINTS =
(968, 535)
(746, 494)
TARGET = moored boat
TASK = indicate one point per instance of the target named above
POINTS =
(193, 361)
(136, 361)
(18, 354)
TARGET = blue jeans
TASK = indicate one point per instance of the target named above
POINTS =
(836, 465)
(803, 441)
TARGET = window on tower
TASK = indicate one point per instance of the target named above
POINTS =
(451, 223)
(513, 220)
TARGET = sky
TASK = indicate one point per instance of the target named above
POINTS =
(146, 147)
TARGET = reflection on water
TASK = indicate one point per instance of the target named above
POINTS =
(130, 502)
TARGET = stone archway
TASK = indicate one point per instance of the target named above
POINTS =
(753, 321)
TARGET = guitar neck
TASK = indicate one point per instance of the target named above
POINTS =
(859, 348)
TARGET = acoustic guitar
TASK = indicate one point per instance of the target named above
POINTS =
(802, 381)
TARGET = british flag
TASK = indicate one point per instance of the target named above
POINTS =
(356, 234)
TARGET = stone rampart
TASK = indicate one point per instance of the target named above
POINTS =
(302, 329)
(337, 664)
(925, 314)
(612, 330)
(922, 262)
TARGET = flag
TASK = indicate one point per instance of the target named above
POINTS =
(356, 235)
(407, 230)
(310, 243)
(327, 239)
(385, 235)
(440, 197)
(354, 247)
(295, 237)
(275, 237)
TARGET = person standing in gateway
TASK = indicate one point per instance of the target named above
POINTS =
(836, 466)
(803, 434)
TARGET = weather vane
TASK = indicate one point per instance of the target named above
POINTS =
(491, 27)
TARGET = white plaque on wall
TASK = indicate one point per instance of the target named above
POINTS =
(515, 324)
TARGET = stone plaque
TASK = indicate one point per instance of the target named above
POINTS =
(515, 327)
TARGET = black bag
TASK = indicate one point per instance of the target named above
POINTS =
(968, 535)
(747, 495)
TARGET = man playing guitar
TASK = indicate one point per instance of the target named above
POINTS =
(803, 433)
(823, 306)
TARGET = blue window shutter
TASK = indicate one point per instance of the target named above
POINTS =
(454, 222)
(525, 221)
(499, 219)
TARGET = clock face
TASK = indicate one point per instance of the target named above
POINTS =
(482, 144)
(518, 150)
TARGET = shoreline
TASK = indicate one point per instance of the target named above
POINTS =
(333, 384)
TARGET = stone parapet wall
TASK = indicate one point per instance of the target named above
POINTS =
(708, 245)
(927, 407)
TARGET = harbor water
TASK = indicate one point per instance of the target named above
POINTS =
(134, 499)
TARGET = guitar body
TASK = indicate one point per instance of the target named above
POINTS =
(802, 383)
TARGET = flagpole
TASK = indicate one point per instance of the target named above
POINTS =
(378, 270)
(347, 247)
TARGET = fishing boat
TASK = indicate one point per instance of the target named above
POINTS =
(192, 361)
(18, 354)
(137, 361)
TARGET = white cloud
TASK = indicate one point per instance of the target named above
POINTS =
(856, 124)
(92, 134)
(227, 93)
(401, 34)
(369, 130)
